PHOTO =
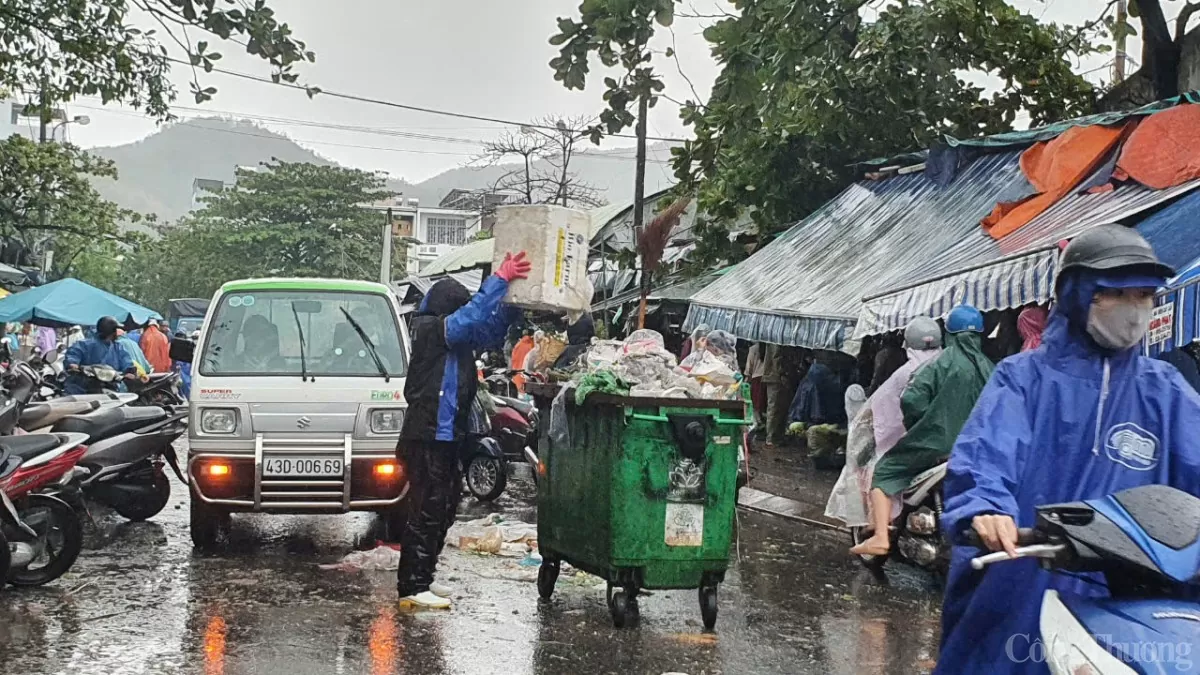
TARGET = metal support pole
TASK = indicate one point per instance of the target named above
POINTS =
(385, 265)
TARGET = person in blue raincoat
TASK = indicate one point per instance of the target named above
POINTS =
(449, 328)
(100, 349)
(1082, 416)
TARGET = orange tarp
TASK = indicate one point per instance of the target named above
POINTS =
(1164, 151)
(1054, 168)
(524, 346)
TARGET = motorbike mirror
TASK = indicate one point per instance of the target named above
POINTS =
(182, 350)
(51, 356)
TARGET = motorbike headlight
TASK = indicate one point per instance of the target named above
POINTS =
(386, 421)
(218, 421)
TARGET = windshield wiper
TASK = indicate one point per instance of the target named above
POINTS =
(300, 332)
(370, 346)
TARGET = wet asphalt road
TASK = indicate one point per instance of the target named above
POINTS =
(139, 600)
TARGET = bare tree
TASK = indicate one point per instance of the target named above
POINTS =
(542, 175)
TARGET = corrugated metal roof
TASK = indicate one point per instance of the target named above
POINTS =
(804, 288)
(675, 291)
(474, 254)
(1009, 273)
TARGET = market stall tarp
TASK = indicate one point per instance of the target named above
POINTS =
(805, 289)
(70, 302)
(189, 307)
(1172, 232)
(1016, 271)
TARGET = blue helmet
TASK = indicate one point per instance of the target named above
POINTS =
(964, 318)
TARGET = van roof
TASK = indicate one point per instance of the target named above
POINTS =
(290, 284)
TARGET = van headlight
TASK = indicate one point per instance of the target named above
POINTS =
(218, 421)
(386, 421)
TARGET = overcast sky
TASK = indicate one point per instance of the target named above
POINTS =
(484, 57)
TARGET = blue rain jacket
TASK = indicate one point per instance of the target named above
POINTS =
(1065, 422)
(92, 352)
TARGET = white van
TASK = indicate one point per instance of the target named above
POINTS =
(297, 402)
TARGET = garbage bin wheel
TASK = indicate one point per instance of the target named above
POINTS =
(708, 606)
(619, 606)
(547, 577)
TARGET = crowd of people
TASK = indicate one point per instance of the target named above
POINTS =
(138, 353)
(1028, 407)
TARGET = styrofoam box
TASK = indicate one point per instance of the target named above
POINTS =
(555, 239)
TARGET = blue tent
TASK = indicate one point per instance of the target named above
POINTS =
(1172, 231)
(71, 302)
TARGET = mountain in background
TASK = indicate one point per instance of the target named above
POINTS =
(156, 173)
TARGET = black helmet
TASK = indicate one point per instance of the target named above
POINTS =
(1111, 247)
(107, 327)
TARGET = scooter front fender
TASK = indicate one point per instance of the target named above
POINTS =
(486, 446)
(10, 516)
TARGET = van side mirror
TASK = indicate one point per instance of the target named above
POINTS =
(182, 350)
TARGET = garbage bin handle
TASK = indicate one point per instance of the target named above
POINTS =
(664, 418)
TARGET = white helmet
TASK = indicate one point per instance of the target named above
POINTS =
(923, 333)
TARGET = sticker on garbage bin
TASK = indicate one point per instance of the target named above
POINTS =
(723, 440)
(685, 524)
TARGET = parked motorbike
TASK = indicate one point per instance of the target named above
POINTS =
(161, 389)
(916, 535)
(484, 466)
(1146, 544)
(123, 465)
(43, 533)
(515, 425)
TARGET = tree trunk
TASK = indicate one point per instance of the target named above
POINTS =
(1160, 52)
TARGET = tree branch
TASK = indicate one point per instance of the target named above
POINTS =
(1181, 22)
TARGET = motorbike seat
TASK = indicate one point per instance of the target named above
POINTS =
(28, 446)
(159, 377)
(111, 421)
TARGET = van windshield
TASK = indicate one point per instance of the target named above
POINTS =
(260, 332)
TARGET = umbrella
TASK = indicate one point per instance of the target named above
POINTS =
(70, 302)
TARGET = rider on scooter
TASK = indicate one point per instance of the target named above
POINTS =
(99, 350)
(1082, 416)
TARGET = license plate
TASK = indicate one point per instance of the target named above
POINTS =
(303, 466)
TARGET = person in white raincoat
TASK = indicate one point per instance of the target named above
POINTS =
(879, 425)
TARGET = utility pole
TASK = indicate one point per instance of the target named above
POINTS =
(385, 264)
(639, 197)
(1121, 29)
(44, 119)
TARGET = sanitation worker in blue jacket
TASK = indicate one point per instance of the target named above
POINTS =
(449, 328)
(1082, 416)
(100, 349)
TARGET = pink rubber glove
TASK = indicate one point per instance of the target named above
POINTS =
(514, 267)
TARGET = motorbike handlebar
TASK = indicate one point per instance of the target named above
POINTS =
(1026, 536)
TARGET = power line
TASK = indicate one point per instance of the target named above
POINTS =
(405, 106)
(607, 156)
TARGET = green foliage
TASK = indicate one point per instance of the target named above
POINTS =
(287, 219)
(619, 32)
(45, 193)
(92, 48)
(808, 88)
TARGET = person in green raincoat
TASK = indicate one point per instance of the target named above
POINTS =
(936, 406)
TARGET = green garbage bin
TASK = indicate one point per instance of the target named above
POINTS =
(643, 495)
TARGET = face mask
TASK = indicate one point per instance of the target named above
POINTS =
(1119, 325)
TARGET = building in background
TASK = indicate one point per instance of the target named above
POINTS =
(202, 188)
(15, 122)
(428, 232)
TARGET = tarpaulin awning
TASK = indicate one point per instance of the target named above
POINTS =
(188, 307)
(805, 289)
(681, 290)
(1173, 233)
(12, 275)
(1017, 271)
(70, 302)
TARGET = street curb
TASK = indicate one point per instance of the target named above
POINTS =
(765, 502)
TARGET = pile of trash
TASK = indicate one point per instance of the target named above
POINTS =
(493, 535)
(640, 365)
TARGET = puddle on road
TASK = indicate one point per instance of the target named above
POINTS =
(140, 601)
